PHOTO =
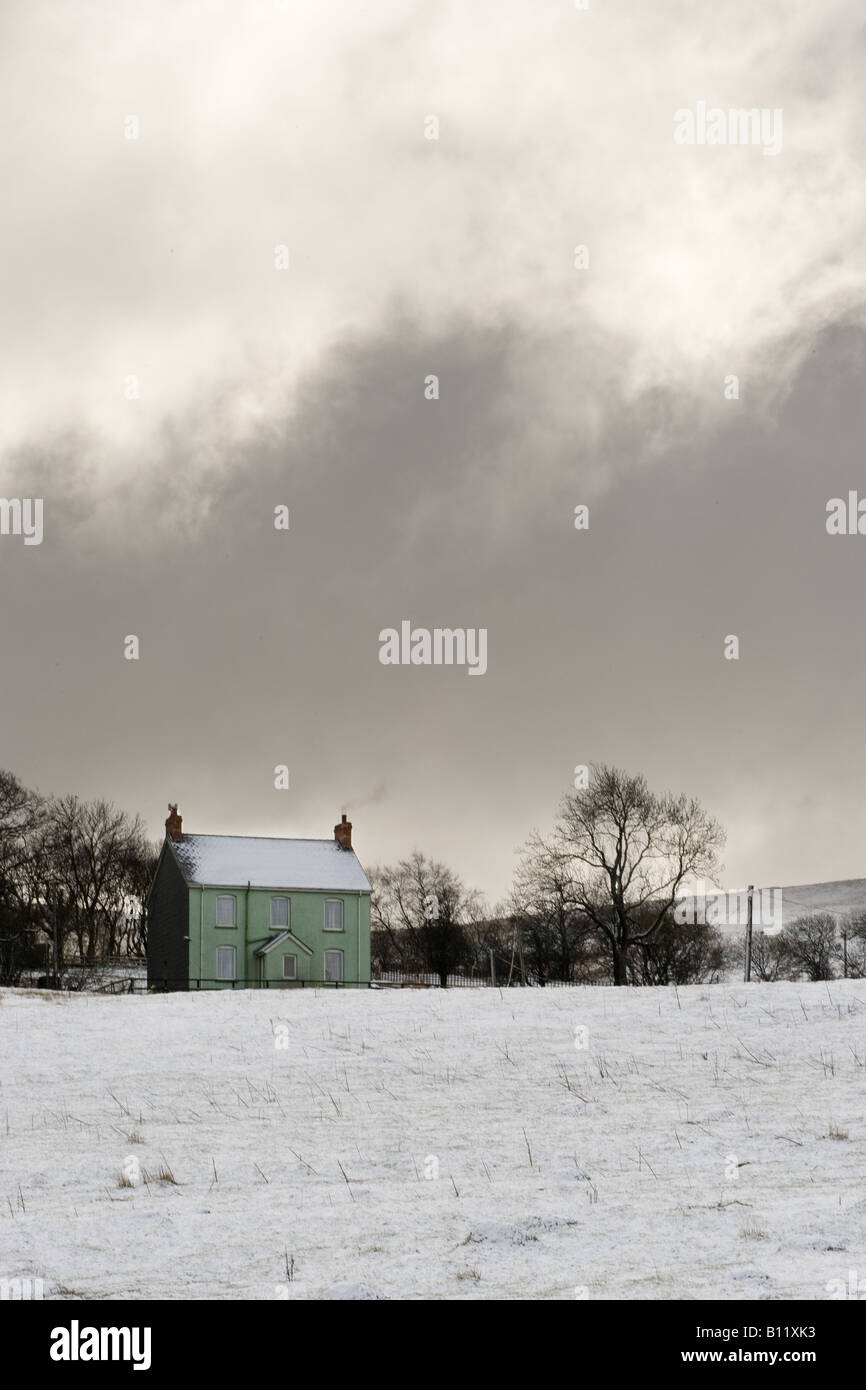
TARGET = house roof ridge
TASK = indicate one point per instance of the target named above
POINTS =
(274, 839)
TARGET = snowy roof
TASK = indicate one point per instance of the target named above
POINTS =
(232, 861)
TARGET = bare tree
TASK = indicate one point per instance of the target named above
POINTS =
(545, 909)
(93, 852)
(423, 909)
(631, 851)
(21, 910)
(812, 944)
(771, 958)
(140, 865)
(392, 919)
(855, 931)
(68, 869)
(682, 954)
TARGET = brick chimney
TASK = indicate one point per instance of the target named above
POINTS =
(343, 833)
(174, 824)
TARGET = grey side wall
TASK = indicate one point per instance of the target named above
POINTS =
(168, 924)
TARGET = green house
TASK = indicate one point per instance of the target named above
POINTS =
(239, 911)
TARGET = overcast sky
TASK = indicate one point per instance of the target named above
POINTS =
(303, 126)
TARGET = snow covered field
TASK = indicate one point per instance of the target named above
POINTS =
(541, 1144)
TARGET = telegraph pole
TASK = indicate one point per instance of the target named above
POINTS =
(55, 952)
(748, 972)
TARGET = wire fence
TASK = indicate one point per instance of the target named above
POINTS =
(426, 979)
(409, 979)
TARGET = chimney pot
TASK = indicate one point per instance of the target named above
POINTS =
(174, 824)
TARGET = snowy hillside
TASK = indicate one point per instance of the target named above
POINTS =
(777, 907)
(846, 896)
(545, 1144)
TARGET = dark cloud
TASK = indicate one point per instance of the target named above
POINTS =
(303, 126)
(260, 647)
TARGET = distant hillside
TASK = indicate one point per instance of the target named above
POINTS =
(839, 897)
(779, 906)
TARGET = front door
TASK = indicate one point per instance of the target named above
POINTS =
(334, 967)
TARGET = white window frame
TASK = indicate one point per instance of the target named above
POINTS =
(342, 965)
(226, 898)
(342, 926)
(286, 959)
(234, 966)
(281, 926)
